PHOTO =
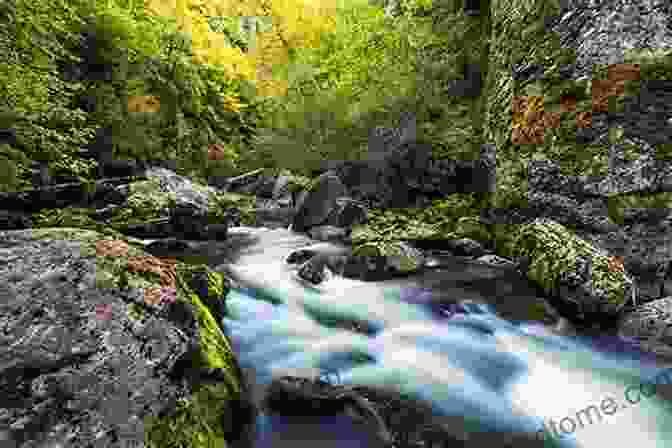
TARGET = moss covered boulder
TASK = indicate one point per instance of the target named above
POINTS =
(161, 316)
(386, 258)
(581, 275)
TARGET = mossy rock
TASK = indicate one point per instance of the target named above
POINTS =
(552, 250)
(145, 202)
(199, 421)
(472, 227)
(399, 256)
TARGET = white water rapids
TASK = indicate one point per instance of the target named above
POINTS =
(489, 373)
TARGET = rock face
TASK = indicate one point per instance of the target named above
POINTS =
(643, 238)
(81, 367)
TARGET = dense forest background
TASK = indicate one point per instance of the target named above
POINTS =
(280, 84)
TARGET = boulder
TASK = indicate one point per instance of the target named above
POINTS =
(300, 256)
(185, 191)
(347, 213)
(466, 247)
(314, 260)
(319, 202)
(589, 281)
(377, 182)
(168, 247)
(382, 260)
(84, 369)
(396, 419)
(313, 271)
(296, 396)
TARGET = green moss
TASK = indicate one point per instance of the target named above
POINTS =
(471, 227)
(553, 250)
(393, 250)
(198, 422)
(145, 203)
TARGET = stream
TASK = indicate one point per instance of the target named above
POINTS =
(484, 373)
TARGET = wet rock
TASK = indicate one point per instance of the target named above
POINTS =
(399, 420)
(466, 247)
(313, 270)
(296, 396)
(168, 247)
(379, 261)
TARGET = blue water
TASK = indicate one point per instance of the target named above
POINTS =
(491, 374)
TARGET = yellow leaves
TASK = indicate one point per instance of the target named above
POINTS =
(233, 104)
(293, 24)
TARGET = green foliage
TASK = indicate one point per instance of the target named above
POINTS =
(144, 58)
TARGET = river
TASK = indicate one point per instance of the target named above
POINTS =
(483, 372)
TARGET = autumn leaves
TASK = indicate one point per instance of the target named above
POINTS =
(530, 120)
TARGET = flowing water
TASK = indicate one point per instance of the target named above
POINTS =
(488, 373)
